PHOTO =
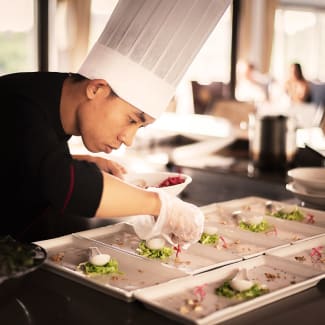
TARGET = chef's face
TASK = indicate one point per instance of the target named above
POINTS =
(106, 121)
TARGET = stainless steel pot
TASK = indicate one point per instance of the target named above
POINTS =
(272, 141)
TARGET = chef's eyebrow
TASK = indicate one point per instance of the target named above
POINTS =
(141, 116)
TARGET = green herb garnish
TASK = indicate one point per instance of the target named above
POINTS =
(16, 257)
(259, 227)
(295, 214)
(227, 291)
(110, 267)
(209, 239)
(161, 253)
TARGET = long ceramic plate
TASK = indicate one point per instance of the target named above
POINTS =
(196, 259)
(310, 253)
(193, 300)
(227, 214)
(64, 254)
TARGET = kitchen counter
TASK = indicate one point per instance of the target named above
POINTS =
(46, 298)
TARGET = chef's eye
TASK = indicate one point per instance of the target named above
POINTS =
(132, 121)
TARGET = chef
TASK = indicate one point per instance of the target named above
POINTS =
(125, 83)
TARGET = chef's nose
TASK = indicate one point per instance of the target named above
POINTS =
(127, 137)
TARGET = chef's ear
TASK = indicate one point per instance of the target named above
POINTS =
(96, 87)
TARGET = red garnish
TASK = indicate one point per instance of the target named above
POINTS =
(177, 249)
(224, 244)
(310, 218)
(173, 180)
(199, 291)
(316, 253)
(273, 230)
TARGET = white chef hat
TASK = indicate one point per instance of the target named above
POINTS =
(147, 46)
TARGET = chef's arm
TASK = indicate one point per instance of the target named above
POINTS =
(120, 199)
(106, 165)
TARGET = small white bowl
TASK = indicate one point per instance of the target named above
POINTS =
(153, 179)
(311, 178)
(315, 200)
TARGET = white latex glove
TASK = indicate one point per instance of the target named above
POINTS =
(178, 222)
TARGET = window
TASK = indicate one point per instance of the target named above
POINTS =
(212, 64)
(299, 37)
(18, 36)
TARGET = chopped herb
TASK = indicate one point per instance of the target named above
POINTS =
(295, 214)
(208, 239)
(161, 253)
(259, 227)
(110, 267)
(227, 291)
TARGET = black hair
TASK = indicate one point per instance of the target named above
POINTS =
(298, 71)
(77, 77)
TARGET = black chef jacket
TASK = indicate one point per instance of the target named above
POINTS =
(38, 171)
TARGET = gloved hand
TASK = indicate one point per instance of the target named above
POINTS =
(178, 222)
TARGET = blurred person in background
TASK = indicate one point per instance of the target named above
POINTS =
(296, 86)
(253, 85)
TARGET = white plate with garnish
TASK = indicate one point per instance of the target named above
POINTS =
(204, 299)
(69, 256)
(221, 212)
(251, 217)
(310, 253)
(197, 258)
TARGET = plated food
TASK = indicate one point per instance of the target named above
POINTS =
(220, 294)
(310, 253)
(294, 214)
(260, 206)
(253, 222)
(209, 235)
(263, 217)
(119, 277)
(99, 263)
(155, 248)
(229, 267)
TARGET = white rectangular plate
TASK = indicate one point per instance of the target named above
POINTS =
(310, 253)
(196, 259)
(283, 278)
(285, 230)
(136, 272)
(242, 243)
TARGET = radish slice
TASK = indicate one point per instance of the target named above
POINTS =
(155, 243)
(99, 259)
(241, 282)
(241, 285)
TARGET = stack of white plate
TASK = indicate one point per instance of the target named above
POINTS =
(308, 185)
